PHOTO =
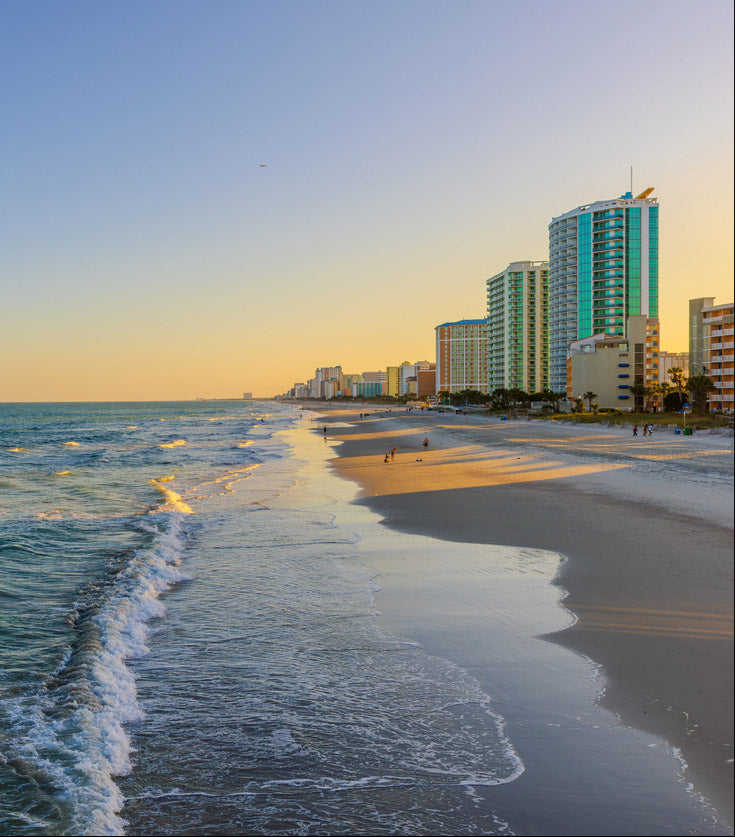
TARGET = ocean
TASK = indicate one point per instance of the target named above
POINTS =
(191, 643)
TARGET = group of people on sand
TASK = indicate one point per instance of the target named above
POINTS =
(647, 430)
(389, 457)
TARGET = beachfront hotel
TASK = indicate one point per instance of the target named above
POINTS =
(603, 269)
(462, 356)
(518, 327)
(712, 345)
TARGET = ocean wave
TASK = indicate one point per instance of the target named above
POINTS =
(173, 501)
(226, 480)
(70, 738)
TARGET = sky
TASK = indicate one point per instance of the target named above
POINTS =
(203, 198)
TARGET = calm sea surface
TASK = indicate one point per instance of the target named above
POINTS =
(183, 651)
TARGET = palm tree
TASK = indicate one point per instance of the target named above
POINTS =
(699, 387)
(588, 396)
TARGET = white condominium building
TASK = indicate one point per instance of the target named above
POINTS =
(518, 327)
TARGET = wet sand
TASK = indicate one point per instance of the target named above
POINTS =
(644, 526)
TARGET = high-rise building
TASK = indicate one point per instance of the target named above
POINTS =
(603, 269)
(697, 352)
(518, 327)
(461, 356)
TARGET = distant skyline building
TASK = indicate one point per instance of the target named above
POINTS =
(366, 389)
(407, 375)
(327, 382)
(462, 356)
(669, 360)
(392, 380)
(603, 269)
(518, 327)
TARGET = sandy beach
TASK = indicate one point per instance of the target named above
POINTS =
(644, 527)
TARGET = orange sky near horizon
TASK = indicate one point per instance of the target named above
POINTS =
(228, 201)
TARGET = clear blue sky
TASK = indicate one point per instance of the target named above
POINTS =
(412, 150)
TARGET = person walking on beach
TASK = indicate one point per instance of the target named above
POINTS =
(645, 430)
(635, 429)
(426, 442)
(386, 458)
(393, 454)
(650, 430)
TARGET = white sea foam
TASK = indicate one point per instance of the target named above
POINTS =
(173, 501)
(87, 730)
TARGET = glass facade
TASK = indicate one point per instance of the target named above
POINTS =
(633, 261)
(603, 269)
(584, 275)
(653, 261)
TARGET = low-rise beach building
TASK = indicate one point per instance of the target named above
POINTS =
(462, 356)
(610, 367)
(367, 389)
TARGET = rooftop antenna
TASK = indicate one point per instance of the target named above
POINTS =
(631, 180)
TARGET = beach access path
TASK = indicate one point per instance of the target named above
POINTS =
(645, 525)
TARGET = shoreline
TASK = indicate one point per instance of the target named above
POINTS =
(659, 624)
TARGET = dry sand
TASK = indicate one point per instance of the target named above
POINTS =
(645, 525)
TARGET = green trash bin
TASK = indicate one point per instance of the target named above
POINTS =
(687, 431)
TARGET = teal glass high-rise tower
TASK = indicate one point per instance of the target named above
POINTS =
(603, 268)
